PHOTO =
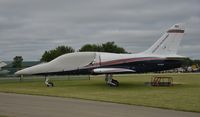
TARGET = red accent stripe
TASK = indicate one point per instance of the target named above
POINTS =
(113, 62)
(175, 31)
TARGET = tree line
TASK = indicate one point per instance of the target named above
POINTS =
(60, 50)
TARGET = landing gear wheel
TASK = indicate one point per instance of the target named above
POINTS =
(115, 82)
(50, 84)
(111, 82)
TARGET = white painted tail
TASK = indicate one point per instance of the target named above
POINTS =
(168, 44)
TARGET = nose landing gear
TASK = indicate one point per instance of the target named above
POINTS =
(48, 83)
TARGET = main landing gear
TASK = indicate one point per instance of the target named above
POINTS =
(111, 82)
(48, 83)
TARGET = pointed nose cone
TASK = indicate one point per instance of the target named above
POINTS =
(18, 73)
(37, 69)
(22, 72)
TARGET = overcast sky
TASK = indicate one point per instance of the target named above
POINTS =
(29, 27)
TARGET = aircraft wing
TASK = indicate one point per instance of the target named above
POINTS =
(112, 70)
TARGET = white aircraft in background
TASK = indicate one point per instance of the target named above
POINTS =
(2, 64)
(162, 55)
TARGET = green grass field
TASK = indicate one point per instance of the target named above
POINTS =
(184, 95)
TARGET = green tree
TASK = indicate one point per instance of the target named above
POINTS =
(17, 62)
(112, 47)
(52, 54)
(196, 62)
(105, 47)
(189, 62)
(91, 47)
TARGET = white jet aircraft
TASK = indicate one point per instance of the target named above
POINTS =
(162, 55)
(2, 64)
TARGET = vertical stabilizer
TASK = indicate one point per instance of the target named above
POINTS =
(169, 43)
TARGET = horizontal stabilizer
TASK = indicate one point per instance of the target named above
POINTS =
(112, 70)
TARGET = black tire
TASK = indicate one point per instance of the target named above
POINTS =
(115, 82)
(50, 84)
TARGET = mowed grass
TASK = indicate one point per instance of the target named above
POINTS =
(184, 95)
